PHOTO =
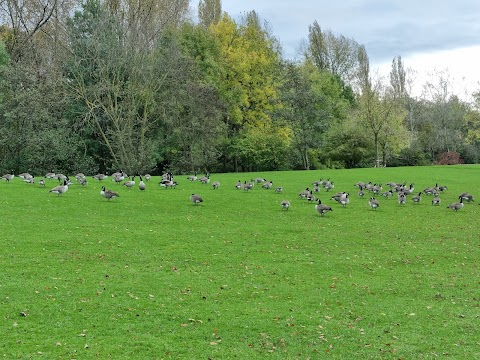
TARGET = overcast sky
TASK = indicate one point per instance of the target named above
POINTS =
(443, 34)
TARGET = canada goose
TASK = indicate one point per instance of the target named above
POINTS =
(402, 198)
(30, 180)
(457, 205)
(279, 189)
(387, 194)
(360, 185)
(321, 208)
(41, 182)
(83, 181)
(25, 176)
(344, 200)
(79, 176)
(61, 177)
(8, 177)
(310, 197)
(129, 184)
(337, 196)
(108, 194)
(466, 196)
(317, 183)
(192, 177)
(436, 200)
(377, 189)
(168, 184)
(303, 194)
(410, 189)
(141, 184)
(285, 204)
(361, 193)
(259, 180)
(417, 198)
(442, 188)
(100, 177)
(328, 185)
(267, 185)
(374, 204)
(216, 185)
(205, 179)
(50, 175)
(316, 189)
(196, 199)
(247, 186)
(147, 177)
(238, 185)
(60, 189)
(118, 177)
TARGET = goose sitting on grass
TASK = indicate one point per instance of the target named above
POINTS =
(285, 204)
(196, 199)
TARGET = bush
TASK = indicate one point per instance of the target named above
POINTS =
(449, 158)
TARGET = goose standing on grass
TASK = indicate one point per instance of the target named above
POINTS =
(130, 184)
(374, 204)
(417, 198)
(50, 175)
(285, 204)
(279, 189)
(147, 177)
(196, 199)
(41, 182)
(361, 193)
(436, 201)
(216, 185)
(83, 181)
(344, 200)
(205, 179)
(321, 208)
(8, 177)
(402, 198)
(238, 185)
(108, 194)
(192, 177)
(267, 185)
(457, 205)
(29, 180)
(466, 196)
(141, 184)
(60, 189)
(100, 177)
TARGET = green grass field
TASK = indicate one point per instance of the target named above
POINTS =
(149, 275)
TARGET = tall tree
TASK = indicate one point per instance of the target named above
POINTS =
(334, 53)
(209, 12)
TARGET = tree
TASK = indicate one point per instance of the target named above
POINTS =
(209, 12)
(336, 54)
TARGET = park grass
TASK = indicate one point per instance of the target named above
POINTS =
(149, 275)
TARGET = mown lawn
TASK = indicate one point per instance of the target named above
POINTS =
(149, 275)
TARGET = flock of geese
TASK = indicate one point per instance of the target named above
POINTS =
(374, 191)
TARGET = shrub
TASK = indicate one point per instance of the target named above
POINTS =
(449, 158)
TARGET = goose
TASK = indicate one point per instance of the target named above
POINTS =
(310, 198)
(316, 188)
(41, 182)
(466, 196)
(108, 194)
(192, 177)
(79, 176)
(141, 184)
(238, 185)
(321, 208)
(337, 196)
(118, 177)
(259, 180)
(360, 185)
(60, 189)
(442, 188)
(344, 200)
(303, 194)
(25, 176)
(457, 205)
(410, 189)
(129, 184)
(317, 182)
(30, 180)
(402, 198)
(147, 177)
(374, 204)
(248, 186)
(279, 189)
(267, 185)
(83, 181)
(387, 194)
(417, 198)
(205, 179)
(196, 199)
(285, 204)
(377, 189)
(361, 193)
(168, 184)
(100, 177)
(436, 200)
(50, 175)
(8, 177)
(61, 177)
(328, 185)
(216, 185)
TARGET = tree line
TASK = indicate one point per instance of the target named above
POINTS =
(102, 85)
